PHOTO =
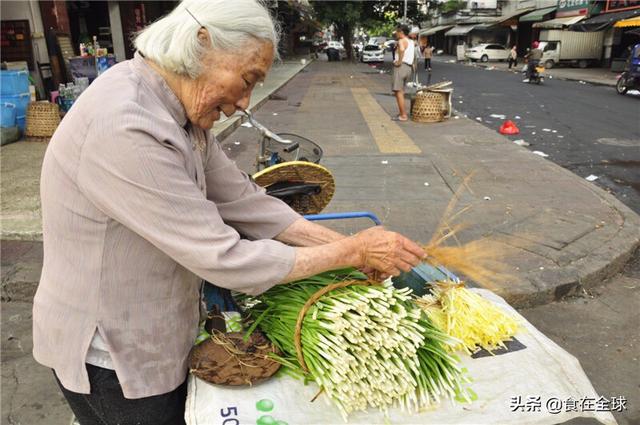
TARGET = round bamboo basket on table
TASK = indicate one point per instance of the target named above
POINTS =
(429, 106)
(42, 119)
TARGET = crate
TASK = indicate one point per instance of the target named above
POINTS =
(21, 101)
(42, 119)
(8, 114)
(14, 82)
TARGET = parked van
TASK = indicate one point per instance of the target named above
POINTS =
(571, 47)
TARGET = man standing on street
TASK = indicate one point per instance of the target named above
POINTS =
(533, 58)
(402, 68)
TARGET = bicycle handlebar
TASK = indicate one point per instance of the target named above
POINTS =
(269, 134)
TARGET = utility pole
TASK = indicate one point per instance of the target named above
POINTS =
(404, 18)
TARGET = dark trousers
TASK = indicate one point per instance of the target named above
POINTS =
(427, 64)
(513, 62)
(106, 404)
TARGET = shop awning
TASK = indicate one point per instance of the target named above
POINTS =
(506, 18)
(459, 30)
(625, 23)
(537, 15)
(559, 23)
(604, 20)
(430, 31)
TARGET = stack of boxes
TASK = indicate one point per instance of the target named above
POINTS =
(14, 97)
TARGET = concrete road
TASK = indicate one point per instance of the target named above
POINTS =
(588, 129)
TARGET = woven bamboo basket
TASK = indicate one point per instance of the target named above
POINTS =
(430, 106)
(300, 172)
(42, 119)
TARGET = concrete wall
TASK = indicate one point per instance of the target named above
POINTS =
(14, 10)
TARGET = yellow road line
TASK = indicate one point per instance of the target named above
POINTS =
(388, 135)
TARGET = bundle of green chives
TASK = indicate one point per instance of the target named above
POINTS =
(363, 345)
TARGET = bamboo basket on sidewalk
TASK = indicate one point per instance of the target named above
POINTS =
(433, 103)
(42, 119)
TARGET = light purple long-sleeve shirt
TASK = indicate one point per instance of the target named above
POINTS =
(135, 214)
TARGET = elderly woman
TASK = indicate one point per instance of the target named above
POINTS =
(140, 204)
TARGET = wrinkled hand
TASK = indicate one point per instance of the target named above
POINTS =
(387, 253)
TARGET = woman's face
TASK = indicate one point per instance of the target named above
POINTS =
(226, 82)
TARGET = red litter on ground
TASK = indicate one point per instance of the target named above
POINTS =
(509, 127)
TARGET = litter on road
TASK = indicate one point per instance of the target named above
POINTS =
(517, 117)
(246, 124)
(426, 183)
(384, 162)
(499, 116)
(540, 153)
(521, 142)
(487, 198)
(591, 178)
(275, 113)
(546, 129)
(478, 119)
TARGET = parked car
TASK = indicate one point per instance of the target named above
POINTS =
(389, 45)
(379, 41)
(339, 47)
(485, 52)
(372, 53)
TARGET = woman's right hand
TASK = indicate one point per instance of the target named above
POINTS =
(389, 253)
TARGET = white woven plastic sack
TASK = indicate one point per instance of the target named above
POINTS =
(539, 384)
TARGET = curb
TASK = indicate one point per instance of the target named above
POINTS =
(237, 120)
(601, 264)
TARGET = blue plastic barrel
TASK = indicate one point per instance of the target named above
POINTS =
(14, 82)
(8, 114)
(21, 121)
(21, 101)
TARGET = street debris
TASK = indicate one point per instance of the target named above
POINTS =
(540, 153)
(554, 131)
(546, 129)
(478, 119)
(533, 133)
(384, 162)
(499, 116)
(246, 124)
(521, 142)
(560, 136)
(426, 183)
(509, 127)
(275, 113)
(530, 126)
(517, 117)
(459, 101)
(303, 61)
(550, 77)
(236, 143)
(456, 117)
(486, 198)
(582, 82)
(591, 178)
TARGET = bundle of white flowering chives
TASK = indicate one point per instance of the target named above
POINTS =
(363, 345)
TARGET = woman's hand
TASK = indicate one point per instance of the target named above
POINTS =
(387, 253)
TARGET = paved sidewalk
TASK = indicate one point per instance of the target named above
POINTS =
(600, 76)
(563, 231)
(21, 163)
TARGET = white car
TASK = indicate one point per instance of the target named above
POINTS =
(337, 45)
(372, 53)
(487, 52)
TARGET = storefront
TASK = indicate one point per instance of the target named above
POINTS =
(436, 36)
(526, 33)
(619, 19)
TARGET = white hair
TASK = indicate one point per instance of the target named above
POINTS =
(172, 41)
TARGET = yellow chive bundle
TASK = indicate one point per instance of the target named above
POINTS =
(468, 317)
